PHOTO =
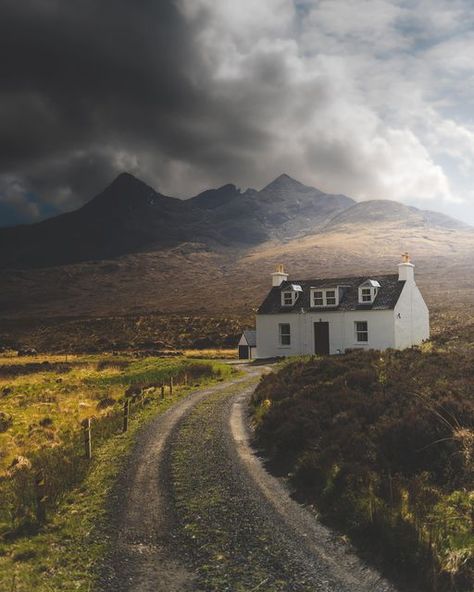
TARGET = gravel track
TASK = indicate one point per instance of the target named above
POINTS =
(195, 510)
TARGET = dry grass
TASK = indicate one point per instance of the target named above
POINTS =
(211, 354)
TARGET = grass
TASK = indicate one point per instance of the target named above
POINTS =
(45, 406)
(211, 354)
(61, 554)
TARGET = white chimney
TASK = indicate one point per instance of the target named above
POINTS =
(406, 270)
(279, 276)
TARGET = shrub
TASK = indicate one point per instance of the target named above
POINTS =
(6, 421)
(383, 444)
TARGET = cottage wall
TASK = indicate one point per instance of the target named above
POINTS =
(341, 331)
(412, 320)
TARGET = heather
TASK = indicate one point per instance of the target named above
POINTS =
(382, 445)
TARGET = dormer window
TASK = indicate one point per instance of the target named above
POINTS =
(288, 298)
(368, 291)
(326, 297)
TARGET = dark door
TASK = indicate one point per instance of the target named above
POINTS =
(321, 339)
(243, 352)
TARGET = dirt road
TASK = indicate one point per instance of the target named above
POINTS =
(195, 510)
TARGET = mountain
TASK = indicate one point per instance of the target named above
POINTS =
(127, 216)
(131, 217)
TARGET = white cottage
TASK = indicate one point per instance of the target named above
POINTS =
(332, 315)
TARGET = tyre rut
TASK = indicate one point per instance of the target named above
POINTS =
(240, 525)
(195, 510)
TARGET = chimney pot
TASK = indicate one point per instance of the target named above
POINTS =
(406, 269)
(279, 276)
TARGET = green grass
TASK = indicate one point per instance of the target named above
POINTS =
(65, 399)
(63, 553)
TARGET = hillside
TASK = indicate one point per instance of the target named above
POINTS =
(385, 211)
(124, 257)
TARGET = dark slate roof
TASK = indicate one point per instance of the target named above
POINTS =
(251, 337)
(387, 296)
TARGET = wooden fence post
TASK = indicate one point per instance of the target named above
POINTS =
(126, 413)
(185, 379)
(171, 385)
(40, 497)
(87, 438)
(162, 391)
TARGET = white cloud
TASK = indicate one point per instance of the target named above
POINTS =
(345, 95)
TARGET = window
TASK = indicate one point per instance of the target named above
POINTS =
(324, 297)
(318, 299)
(361, 331)
(285, 334)
(288, 297)
(368, 291)
(330, 297)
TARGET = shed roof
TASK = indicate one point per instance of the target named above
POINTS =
(386, 299)
(250, 336)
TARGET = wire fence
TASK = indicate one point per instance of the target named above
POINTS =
(33, 486)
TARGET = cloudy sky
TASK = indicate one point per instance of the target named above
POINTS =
(371, 98)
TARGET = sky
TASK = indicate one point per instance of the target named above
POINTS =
(370, 98)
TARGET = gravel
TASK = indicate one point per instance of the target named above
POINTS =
(195, 510)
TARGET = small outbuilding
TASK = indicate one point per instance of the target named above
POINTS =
(248, 345)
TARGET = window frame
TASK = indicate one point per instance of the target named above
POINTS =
(373, 291)
(292, 295)
(334, 300)
(358, 331)
(283, 335)
(313, 297)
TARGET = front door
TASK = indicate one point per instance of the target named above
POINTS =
(321, 339)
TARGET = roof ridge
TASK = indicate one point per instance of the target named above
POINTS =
(341, 277)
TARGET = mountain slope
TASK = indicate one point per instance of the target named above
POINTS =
(216, 198)
(385, 211)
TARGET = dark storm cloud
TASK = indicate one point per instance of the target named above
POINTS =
(189, 94)
(79, 81)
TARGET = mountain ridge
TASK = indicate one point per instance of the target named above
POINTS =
(129, 216)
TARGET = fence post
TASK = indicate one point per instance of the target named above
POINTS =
(171, 385)
(40, 497)
(87, 438)
(126, 413)
(162, 391)
(185, 379)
